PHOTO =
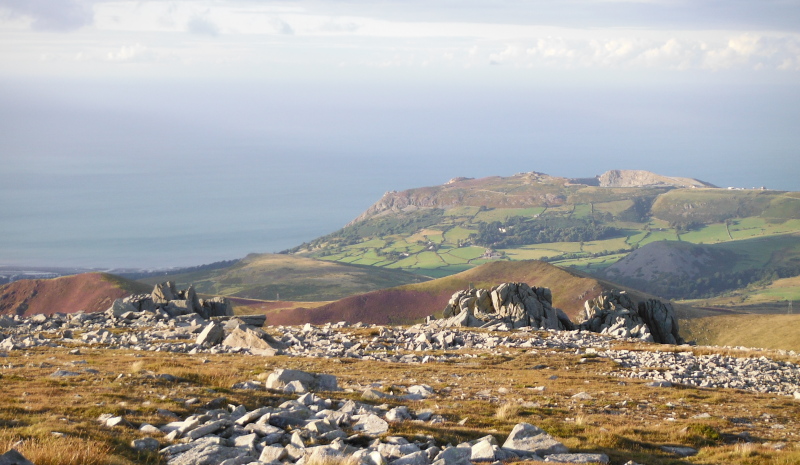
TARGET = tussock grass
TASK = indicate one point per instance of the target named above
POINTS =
(53, 450)
(508, 411)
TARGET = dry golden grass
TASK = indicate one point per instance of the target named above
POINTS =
(508, 411)
(624, 418)
(53, 450)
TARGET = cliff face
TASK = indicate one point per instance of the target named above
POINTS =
(519, 191)
(640, 178)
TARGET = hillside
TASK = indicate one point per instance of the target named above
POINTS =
(413, 302)
(287, 277)
(90, 292)
(684, 270)
(587, 224)
(750, 330)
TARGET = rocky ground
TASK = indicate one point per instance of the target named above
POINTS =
(348, 406)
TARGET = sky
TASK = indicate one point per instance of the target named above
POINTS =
(161, 133)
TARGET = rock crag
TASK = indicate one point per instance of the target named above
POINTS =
(641, 178)
(166, 298)
(518, 305)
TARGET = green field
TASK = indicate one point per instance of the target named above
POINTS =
(439, 240)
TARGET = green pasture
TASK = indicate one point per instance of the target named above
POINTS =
(707, 235)
(635, 237)
(530, 254)
(581, 211)
(590, 265)
(665, 235)
(452, 259)
(605, 245)
(462, 212)
(783, 207)
(429, 260)
(466, 253)
(614, 207)
(370, 244)
(457, 233)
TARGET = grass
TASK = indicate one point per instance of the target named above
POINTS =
(626, 420)
(749, 330)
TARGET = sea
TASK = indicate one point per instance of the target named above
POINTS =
(166, 174)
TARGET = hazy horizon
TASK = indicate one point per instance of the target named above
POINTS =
(154, 134)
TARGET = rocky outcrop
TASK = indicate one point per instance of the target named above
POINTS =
(641, 178)
(615, 314)
(515, 304)
(165, 297)
(518, 305)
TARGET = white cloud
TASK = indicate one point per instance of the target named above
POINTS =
(201, 25)
(51, 15)
(130, 53)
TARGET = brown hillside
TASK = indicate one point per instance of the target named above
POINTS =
(91, 292)
(412, 302)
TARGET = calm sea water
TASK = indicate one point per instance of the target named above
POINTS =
(158, 175)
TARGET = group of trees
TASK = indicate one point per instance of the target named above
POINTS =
(518, 231)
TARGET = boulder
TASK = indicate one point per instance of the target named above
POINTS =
(370, 425)
(660, 318)
(527, 440)
(280, 378)
(516, 304)
(254, 339)
(164, 292)
(218, 306)
(6, 322)
(211, 335)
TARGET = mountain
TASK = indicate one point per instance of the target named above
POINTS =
(90, 292)
(584, 223)
(287, 277)
(406, 304)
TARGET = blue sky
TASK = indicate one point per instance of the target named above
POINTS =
(262, 107)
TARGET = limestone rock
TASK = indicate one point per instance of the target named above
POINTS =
(526, 439)
(279, 378)
(516, 304)
(145, 444)
(211, 335)
(258, 341)
(370, 425)
(660, 318)
(164, 292)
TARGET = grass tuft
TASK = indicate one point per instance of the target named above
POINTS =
(508, 412)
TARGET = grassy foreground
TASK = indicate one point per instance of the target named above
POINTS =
(748, 330)
(53, 420)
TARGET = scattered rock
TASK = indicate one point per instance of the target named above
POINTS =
(680, 451)
(146, 444)
(528, 440)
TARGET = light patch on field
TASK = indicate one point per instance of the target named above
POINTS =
(425, 235)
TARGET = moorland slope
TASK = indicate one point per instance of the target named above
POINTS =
(410, 303)
(288, 277)
(90, 292)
